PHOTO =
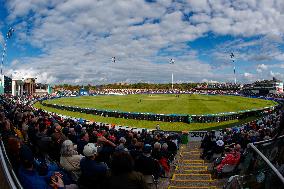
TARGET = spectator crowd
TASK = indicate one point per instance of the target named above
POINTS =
(229, 147)
(49, 151)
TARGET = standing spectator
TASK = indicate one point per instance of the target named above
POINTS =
(7, 131)
(84, 139)
(58, 136)
(57, 139)
(172, 147)
(147, 165)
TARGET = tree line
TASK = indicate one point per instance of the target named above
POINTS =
(165, 86)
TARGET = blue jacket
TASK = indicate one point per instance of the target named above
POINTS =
(31, 180)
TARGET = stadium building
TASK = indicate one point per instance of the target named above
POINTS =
(23, 86)
(265, 87)
(5, 85)
(42, 89)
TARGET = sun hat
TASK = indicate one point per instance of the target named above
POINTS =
(90, 149)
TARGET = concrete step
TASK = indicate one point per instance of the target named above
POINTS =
(194, 156)
(190, 171)
(192, 187)
(192, 183)
(192, 168)
(191, 177)
(191, 161)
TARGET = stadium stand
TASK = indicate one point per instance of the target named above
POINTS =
(45, 150)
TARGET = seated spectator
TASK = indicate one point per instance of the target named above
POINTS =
(70, 160)
(123, 175)
(164, 151)
(30, 179)
(147, 165)
(162, 159)
(121, 147)
(137, 151)
(232, 158)
(93, 172)
(156, 153)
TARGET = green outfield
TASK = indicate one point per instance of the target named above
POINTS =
(166, 104)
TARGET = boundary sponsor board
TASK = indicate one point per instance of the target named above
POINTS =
(199, 135)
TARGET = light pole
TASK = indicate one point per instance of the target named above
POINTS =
(233, 61)
(172, 61)
(8, 36)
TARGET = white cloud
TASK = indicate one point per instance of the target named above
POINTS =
(276, 75)
(249, 77)
(78, 38)
(261, 67)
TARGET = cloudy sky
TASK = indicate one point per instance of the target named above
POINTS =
(72, 41)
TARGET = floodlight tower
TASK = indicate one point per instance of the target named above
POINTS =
(8, 36)
(2, 77)
(172, 61)
(233, 61)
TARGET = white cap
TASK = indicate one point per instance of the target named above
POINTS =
(90, 149)
(122, 139)
(220, 142)
(67, 143)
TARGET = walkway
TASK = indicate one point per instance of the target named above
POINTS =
(191, 172)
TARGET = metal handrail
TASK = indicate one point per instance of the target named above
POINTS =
(280, 176)
(269, 140)
(9, 173)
